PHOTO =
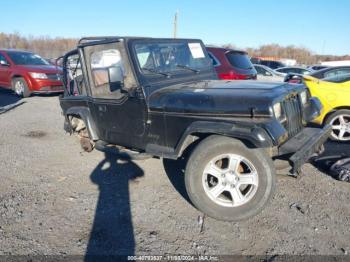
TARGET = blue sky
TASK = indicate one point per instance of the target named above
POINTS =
(323, 26)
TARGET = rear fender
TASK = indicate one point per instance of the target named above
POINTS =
(84, 114)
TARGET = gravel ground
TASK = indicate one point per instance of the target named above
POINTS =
(55, 199)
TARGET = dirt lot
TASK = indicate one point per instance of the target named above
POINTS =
(55, 199)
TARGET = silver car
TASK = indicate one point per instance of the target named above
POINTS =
(265, 73)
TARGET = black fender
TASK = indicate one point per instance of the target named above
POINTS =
(85, 114)
(252, 133)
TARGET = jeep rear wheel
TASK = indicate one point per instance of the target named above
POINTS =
(228, 181)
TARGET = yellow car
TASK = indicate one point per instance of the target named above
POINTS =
(334, 93)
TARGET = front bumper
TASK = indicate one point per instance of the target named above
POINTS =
(302, 146)
(49, 90)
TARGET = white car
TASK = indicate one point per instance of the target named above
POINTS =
(283, 71)
(265, 73)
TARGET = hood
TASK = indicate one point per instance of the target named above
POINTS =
(221, 97)
(50, 69)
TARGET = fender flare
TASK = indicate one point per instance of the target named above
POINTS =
(256, 135)
(85, 114)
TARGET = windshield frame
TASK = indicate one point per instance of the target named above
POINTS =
(176, 72)
(12, 55)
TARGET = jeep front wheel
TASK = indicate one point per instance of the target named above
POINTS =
(227, 180)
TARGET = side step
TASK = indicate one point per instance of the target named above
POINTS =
(123, 153)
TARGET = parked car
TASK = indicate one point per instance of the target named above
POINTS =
(26, 73)
(231, 64)
(144, 97)
(283, 71)
(272, 64)
(321, 74)
(265, 73)
(331, 71)
(317, 67)
(334, 93)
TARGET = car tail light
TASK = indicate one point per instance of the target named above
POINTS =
(227, 76)
(231, 75)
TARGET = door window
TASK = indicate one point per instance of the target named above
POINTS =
(108, 70)
(214, 60)
(74, 76)
(101, 62)
(261, 71)
(336, 72)
(3, 59)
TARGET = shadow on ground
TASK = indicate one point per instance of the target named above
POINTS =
(112, 231)
(175, 170)
(7, 98)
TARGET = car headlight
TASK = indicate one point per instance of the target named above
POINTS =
(303, 97)
(278, 111)
(38, 75)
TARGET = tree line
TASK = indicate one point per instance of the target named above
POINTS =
(49, 47)
(301, 54)
(45, 46)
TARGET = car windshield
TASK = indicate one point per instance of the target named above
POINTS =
(171, 57)
(25, 58)
(239, 60)
(337, 78)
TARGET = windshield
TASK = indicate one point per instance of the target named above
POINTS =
(24, 58)
(169, 57)
(239, 60)
(337, 78)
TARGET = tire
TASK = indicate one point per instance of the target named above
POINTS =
(20, 87)
(200, 184)
(340, 122)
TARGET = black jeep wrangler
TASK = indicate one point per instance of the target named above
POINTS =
(162, 98)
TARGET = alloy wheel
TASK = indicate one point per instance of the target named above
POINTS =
(341, 127)
(230, 180)
(19, 88)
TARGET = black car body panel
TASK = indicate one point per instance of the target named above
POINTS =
(160, 113)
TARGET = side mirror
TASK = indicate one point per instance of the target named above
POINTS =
(115, 78)
(4, 63)
(267, 73)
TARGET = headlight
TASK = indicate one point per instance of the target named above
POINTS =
(279, 113)
(38, 75)
(277, 108)
(303, 97)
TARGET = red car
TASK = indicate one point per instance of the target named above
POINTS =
(26, 73)
(232, 64)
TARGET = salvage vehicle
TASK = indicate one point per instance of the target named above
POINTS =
(27, 73)
(149, 97)
(231, 64)
(334, 93)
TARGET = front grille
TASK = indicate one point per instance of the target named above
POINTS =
(55, 77)
(294, 114)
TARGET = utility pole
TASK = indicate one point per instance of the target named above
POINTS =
(175, 24)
